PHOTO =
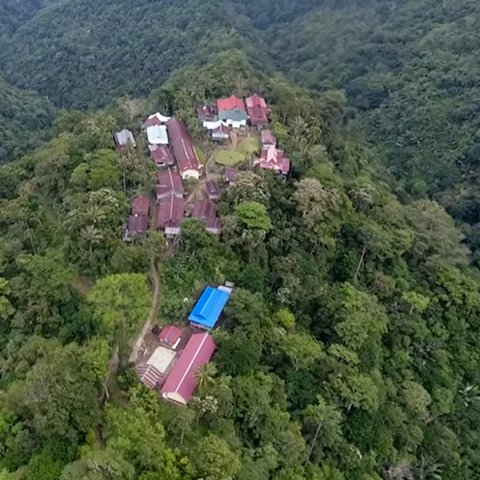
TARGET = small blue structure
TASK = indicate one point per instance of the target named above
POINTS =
(209, 307)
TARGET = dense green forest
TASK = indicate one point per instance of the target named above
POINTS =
(349, 349)
(350, 346)
(25, 121)
(410, 69)
(25, 117)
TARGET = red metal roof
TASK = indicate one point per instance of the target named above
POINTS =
(204, 209)
(206, 212)
(170, 335)
(213, 190)
(141, 206)
(181, 381)
(230, 103)
(151, 121)
(170, 212)
(169, 183)
(182, 146)
(273, 159)
(268, 138)
(213, 225)
(161, 155)
(257, 110)
(137, 224)
(154, 120)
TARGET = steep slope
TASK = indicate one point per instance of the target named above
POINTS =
(14, 13)
(411, 69)
(25, 119)
(25, 116)
(349, 348)
(83, 53)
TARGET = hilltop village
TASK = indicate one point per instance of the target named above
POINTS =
(238, 126)
(187, 186)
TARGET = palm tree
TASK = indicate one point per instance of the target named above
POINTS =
(91, 236)
(205, 377)
(95, 214)
(470, 394)
(427, 469)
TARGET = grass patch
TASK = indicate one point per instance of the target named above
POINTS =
(249, 145)
(228, 157)
(200, 154)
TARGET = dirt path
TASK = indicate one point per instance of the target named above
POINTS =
(153, 312)
(209, 174)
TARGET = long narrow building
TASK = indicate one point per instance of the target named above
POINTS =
(182, 380)
(183, 151)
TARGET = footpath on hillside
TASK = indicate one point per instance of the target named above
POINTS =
(152, 316)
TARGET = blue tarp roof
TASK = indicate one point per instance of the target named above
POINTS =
(209, 306)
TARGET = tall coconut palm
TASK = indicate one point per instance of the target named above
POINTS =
(91, 236)
(205, 376)
(470, 394)
(427, 469)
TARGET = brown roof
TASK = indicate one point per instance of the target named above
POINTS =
(231, 174)
(170, 212)
(206, 113)
(257, 110)
(204, 209)
(141, 206)
(268, 138)
(213, 225)
(169, 183)
(213, 190)
(182, 146)
(206, 212)
(222, 129)
(137, 224)
(161, 155)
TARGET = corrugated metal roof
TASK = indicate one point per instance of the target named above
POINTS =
(181, 382)
(182, 146)
(137, 224)
(170, 212)
(161, 358)
(170, 335)
(155, 119)
(141, 206)
(209, 307)
(233, 115)
(124, 138)
(268, 138)
(230, 103)
(169, 182)
(157, 135)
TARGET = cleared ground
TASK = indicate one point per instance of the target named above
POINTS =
(228, 158)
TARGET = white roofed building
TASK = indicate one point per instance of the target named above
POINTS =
(157, 135)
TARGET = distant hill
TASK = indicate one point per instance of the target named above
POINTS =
(409, 68)
(83, 53)
(25, 118)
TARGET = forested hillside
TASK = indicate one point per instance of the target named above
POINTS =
(83, 54)
(25, 120)
(349, 348)
(411, 70)
(25, 117)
